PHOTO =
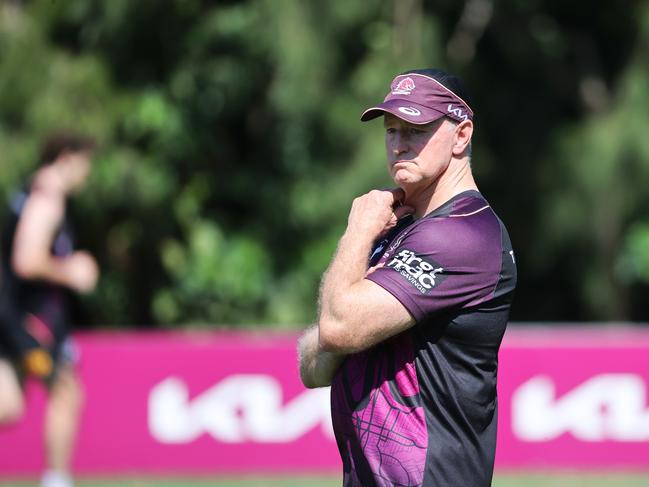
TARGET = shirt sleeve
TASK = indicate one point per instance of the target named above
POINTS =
(443, 264)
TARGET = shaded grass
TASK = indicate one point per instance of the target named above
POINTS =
(571, 480)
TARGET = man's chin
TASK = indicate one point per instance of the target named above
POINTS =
(404, 182)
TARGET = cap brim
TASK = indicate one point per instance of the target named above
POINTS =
(403, 109)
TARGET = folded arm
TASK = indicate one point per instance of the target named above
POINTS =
(354, 313)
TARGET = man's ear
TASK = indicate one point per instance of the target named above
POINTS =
(463, 134)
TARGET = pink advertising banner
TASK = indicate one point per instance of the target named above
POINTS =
(226, 403)
(574, 399)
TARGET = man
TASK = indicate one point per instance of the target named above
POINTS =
(39, 268)
(415, 303)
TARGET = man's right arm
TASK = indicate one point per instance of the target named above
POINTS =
(317, 367)
(31, 256)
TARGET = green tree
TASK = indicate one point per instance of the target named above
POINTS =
(231, 147)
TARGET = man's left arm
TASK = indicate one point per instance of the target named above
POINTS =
(317, 366)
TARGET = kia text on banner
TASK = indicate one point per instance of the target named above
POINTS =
(204, 402)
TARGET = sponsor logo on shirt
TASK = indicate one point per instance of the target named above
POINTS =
(421, 273)
(377, 250)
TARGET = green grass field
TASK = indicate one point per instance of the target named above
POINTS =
(537, 480)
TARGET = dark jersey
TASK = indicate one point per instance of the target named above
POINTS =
(420, 408)
(37, 307)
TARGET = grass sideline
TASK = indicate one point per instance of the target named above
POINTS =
(501, 480)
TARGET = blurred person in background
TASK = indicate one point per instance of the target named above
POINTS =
(410, 346)
(40, 267)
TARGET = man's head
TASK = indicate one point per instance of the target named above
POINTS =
(71, 154)
(428, 124)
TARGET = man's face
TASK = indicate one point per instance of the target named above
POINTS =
(78, 166)
(417, 154)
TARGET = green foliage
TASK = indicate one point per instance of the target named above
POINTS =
(596, 205)
(230, 146)
(633, 262)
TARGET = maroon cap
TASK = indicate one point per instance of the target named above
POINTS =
(420, 99)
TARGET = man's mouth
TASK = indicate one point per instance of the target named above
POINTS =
(401, 162)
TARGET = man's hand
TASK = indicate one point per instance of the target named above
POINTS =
(317, 367)
(81, 271)
(376, 212)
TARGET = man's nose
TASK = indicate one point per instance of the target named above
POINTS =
(400, 144)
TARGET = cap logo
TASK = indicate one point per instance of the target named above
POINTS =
(457, 112)
(410, 111)
(404, 87)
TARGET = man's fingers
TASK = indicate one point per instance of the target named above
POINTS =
(398, 195)
(372, 269)
(402, 211)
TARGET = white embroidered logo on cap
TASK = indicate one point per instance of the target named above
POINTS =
(410, 111)
(457, 112)
(404, 87)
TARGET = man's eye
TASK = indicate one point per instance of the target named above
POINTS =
(390, 130)
(414, 131)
